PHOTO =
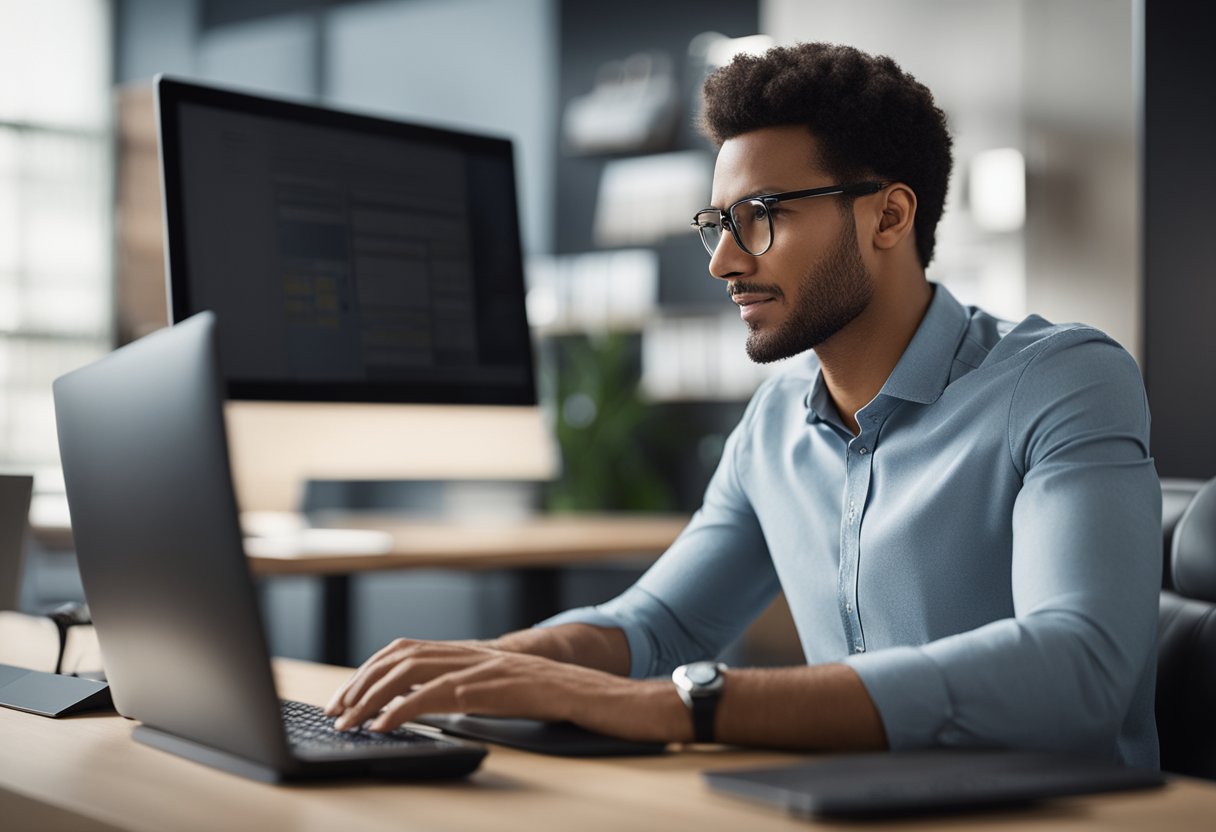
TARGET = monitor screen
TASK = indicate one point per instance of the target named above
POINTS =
(348, 258)
(368, 283)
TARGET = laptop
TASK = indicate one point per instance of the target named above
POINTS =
(896, 784)
(154, 515)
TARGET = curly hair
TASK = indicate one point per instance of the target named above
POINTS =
(869, 117)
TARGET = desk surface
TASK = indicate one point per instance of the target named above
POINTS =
(490, 543)
(350, 543)
(473, 543)
(86, 773)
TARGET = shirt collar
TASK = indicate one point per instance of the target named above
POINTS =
(924, 369)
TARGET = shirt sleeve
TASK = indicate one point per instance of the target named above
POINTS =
(1086, 573)
(707, 587)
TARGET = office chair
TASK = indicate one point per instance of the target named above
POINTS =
(1186, 658)
(1176, 495)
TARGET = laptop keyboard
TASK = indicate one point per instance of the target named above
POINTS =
(308, 727)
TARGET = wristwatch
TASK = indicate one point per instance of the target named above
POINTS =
(700, 686)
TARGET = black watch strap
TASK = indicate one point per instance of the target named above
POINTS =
(700, 686)
(703, 710)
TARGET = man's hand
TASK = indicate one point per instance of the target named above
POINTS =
(409, 678)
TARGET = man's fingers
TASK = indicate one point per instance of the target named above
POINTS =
(368, 674)
(398, 681)
(338, 701)
(365, 700)
(494, 687)
(376, 669)
(401, 679)
(444, 695)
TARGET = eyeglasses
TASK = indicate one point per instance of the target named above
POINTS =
(750, 220)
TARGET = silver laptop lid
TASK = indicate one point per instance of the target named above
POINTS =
(145, 462)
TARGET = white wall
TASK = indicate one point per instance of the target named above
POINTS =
(484, 65)
(1052, 78)
(154, 36)
(1083, 232)
(272, 54)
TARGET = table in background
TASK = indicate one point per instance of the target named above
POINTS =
(536, 548)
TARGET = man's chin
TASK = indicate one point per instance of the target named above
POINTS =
(766, 350)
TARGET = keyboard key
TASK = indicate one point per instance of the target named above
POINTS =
(308, 726)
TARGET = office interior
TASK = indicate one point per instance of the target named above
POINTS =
(1080, 158)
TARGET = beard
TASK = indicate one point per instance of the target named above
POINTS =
(831, 294)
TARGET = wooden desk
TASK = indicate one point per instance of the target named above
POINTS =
(86, 773)
(536, 546)
(523, 543)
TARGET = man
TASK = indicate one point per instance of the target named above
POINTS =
(962, 512)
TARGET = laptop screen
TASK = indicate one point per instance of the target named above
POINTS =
(349, 258)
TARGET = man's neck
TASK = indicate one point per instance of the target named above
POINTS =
(857, 361)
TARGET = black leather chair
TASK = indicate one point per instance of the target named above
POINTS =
(1176, 495)
(1186, 660)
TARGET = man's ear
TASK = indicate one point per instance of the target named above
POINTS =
(897, 212)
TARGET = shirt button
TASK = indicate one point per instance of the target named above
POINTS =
(859, 649)
(863, 451)
(848, 607)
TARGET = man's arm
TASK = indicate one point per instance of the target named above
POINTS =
(1073, 668)
(408, 662)
(599, 648)
(819, 707)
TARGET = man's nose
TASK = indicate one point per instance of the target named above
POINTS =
(729, 260)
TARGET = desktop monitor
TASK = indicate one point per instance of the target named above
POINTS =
(368, 281)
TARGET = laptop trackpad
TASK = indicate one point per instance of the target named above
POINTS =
(563, 739)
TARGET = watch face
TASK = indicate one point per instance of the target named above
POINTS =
(701, 673)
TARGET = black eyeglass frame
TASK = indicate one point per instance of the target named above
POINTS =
(726, 218)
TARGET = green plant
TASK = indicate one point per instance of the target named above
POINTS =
(602, 428)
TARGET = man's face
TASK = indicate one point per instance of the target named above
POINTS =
(812, 281)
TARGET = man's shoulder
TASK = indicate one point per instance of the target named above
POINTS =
(989, 341)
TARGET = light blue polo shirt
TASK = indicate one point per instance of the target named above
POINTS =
(985, 554)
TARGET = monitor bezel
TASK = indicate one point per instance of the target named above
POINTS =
(172, 92)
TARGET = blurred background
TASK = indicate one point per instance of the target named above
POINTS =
(641, 361)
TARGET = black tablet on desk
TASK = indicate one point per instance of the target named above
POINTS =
(563, 739)
(923, 782)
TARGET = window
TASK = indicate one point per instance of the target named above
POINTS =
(55, 208)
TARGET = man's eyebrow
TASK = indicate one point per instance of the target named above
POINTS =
(757, 192)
